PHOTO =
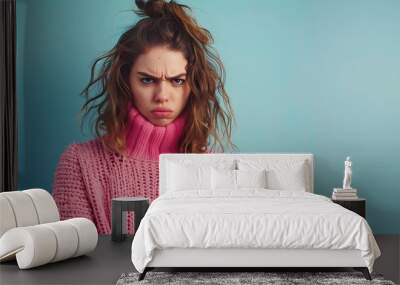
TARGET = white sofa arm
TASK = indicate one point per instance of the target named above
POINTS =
(26, 208)
(31, 230)
(40, 244)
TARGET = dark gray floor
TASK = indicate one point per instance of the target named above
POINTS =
(389, 262)
(110, 260)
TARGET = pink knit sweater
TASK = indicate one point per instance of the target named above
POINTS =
(88, 175)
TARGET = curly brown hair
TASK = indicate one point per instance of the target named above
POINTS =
(210, 114)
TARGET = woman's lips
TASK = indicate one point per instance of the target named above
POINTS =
(161, 113)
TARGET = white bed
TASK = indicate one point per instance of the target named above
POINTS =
(201, 220)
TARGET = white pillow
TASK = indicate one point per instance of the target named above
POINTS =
(281, 174)
(293, 178)
(223, 179)
(251, 178)
(182, 177)
(236, 179)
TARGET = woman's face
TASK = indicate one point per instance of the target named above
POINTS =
(158, 84)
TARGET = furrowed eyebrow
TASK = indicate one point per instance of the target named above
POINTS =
(152, 76)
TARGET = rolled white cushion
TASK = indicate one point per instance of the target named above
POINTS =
(67, 240)
(23, 208)
(87, 235)
(33, 246)
(45, 205)
(40, 244)
(7, 218)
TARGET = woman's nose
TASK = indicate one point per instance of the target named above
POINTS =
(161, 92)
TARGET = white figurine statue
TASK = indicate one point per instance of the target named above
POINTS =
(347, 174)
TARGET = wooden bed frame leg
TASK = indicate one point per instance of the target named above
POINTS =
(143, 274)
(364, 271)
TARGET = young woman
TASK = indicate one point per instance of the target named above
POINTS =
(160, 90)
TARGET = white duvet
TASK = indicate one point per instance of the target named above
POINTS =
(251, 218)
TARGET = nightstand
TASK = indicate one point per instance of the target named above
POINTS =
(120, 205)
(357, 205)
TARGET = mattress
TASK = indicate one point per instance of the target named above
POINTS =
(250, 219)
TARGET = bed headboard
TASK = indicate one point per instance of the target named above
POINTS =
(213, 159)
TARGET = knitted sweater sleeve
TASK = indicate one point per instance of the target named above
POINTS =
(69, 190)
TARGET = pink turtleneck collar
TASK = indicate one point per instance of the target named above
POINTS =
(146, 141)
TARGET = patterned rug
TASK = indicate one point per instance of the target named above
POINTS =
(269, 278)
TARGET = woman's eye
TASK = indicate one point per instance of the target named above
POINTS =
(179, 81)
(146, 80)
